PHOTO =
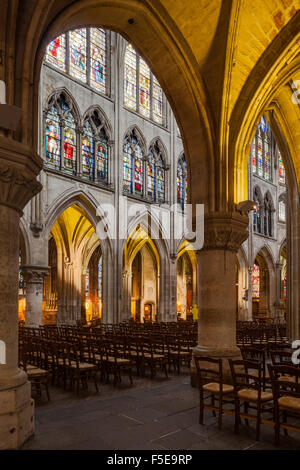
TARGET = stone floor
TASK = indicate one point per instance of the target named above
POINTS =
(155, 415)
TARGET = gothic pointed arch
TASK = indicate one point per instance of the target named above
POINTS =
(95, 146)
(61, 124)
(134, 151)
(156, 171)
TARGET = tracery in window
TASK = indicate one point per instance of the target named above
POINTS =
(60, 134)
(133, 165)
(156, 173)
(261, 151)
(94, 153)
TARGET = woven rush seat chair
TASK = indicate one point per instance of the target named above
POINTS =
(79, 371)
(286, 390)
(212, 387)
(248, 389)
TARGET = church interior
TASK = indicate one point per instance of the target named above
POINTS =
(120, 122)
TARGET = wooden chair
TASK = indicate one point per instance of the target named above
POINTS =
(80, 371)
(248, 389)
(286, 394)
(210, 379)
(116, 364)
(35, 374)
(257, 354)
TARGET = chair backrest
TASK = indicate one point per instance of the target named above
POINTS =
(242, 374)
(250, 353)
(290, 386)
(281, 357)
(209, 369)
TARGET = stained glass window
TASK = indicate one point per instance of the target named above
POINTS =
(253, 156)
(281, 170)
(281, 210)
(144, 90)
(138, 168)
(102, 151)
(155, 174)
(98, 58)
(94, 148)
(133, 165)
(88, 152)
(146, 96)
(157, 97)
(70, 144)
(56, 53)
(53, 138)
(261, 151)
(130, 77)
(181, 182)
(267, 169)
(259, 156)
(151, 177)
(78, 65)
(255, 282)
(160, 181)
(127, 166)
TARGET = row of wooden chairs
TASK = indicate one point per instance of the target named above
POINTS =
(253, 393)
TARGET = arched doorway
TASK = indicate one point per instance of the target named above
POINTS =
(141, 277)
(184, 287)
(144, 292)
(50, 286)
(260, 288)
(74, 251)
(93, 287)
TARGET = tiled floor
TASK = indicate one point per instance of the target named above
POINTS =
(156, 415)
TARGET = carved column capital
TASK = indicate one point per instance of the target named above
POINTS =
(225, 231)
(34, 274)
(19, 167)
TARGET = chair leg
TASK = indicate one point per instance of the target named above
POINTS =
(47, 391)
(220, 413)
(237, 416)
(258, 422)
(213, 404)
(95, 381)
(284, 420)
(246, 406)
(201, 404)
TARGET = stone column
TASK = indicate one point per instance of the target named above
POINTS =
(223, 235)
(18, 169)
(34, 277)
